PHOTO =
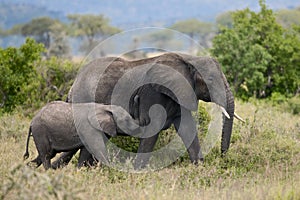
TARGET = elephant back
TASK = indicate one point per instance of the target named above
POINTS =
(95, 81)
(55, 121)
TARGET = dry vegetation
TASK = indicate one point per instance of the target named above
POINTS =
(263, 163)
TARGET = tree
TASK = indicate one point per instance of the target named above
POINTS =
(224, 19)
(59, 46)
(92, 27)
(162, 39)
(45, 30)
(197, 30)
(40, 29)
(258, 55)
(288, 18)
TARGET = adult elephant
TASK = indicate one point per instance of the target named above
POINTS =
(183, 79)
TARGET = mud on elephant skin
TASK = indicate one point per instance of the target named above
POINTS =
(53, 130)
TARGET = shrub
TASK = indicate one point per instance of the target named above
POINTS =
(28, 82)
(54, 79)
(277, 98)
(17, 66)
(294, 105)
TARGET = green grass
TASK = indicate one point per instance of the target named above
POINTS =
(263, 163)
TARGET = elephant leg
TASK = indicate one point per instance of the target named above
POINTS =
(95, 142)
(144, 151)
(37, 162)
(64, 159)
(44, 149)
(186, 128)
(47, 159)
(85, 158)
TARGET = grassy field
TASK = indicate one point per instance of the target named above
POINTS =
(263, 163)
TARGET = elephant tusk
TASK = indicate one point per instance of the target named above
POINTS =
(239, 118)
(225, 112)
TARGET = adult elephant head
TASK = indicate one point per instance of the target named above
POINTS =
(207, 80)
(185, 79)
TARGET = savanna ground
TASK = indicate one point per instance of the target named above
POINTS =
(263, 163)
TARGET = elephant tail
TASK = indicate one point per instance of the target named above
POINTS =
(26, 155)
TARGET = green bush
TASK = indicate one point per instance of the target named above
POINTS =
(285, 104)
(54, 79)
(129, 144)
(277, 98)
(28, 82)
(203, 118)
(17, 66)
(294, 105)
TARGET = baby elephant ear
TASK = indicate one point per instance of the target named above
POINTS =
(126, 124)
(103, 120)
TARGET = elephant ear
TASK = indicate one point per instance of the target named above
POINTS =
(103, 120)
(210, 71)
(175, 84)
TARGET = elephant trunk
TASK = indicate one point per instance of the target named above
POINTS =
(228, 122)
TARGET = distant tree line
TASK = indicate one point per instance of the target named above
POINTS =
(54, 34)
(91, 29)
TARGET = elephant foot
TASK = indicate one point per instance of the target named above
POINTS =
(92, 162)
(198, 162)
(35, 163)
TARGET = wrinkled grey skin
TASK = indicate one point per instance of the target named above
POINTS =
(54, 131)
(97, 80)
(150, 97)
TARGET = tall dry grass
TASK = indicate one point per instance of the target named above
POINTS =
(263, 163)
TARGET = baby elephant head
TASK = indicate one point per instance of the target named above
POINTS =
(112, 120)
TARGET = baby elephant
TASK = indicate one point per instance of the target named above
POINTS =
(54, 130)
